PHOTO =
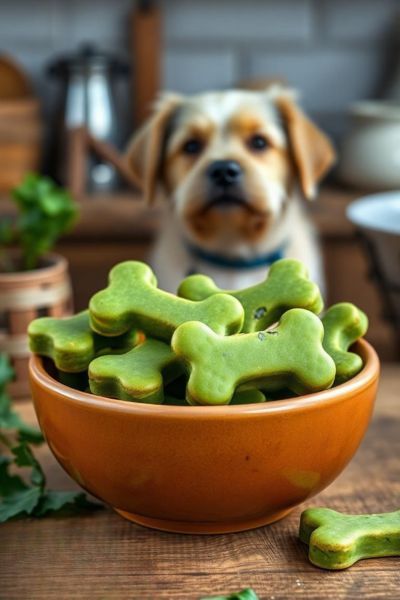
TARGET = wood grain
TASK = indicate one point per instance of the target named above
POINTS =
(146, 48)
(103, 557)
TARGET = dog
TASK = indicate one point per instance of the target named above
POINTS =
(234, 167)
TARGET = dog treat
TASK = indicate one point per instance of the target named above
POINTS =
(291, 355)
(247, 594)
(133, 300)
(173, 401)
(344, 323)
(286, 286)
(71, 343)
(337, 540)
(249, 396)
(78, 381)
(137, 375)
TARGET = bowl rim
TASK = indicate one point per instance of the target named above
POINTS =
(368, 375)
(372, 200)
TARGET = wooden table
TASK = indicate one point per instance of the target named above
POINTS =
(101, 556)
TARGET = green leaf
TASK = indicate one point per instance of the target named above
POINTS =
(9, 419)
(9, 484)
(247, 594)
(65, 503)
(17, 498)
(19, 503)
(46, 212)
(6, 371)
(29, 435)
(24, 458)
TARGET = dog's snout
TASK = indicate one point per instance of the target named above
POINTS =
(224, 173)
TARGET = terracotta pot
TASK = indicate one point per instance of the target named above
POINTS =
(24, 296)
(205, 469)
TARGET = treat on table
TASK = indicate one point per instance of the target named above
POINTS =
(290, 355)
(344, 323)
(337, 540)
(137, 375)
(247, 594)
(133, 300)
(71, 343)
(287, 286)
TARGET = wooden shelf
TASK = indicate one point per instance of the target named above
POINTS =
(125, 216)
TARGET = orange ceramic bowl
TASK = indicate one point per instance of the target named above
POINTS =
(200, 469)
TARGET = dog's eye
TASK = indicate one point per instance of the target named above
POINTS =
(192, 146)
(258, 142)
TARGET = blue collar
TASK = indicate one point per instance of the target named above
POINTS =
(218, 260)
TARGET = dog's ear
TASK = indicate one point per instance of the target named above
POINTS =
(144, 152)
(313, 153)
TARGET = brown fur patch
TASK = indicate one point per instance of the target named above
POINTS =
(236, 225)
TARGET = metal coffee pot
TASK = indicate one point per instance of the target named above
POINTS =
(88, 98)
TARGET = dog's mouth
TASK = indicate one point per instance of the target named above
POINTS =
(226, 202)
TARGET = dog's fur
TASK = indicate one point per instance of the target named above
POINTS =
(262, 212)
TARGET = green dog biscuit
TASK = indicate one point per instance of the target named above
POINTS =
(344, 323)
(248, 396)
(133, 300)
(137, 375)
(247, 594)
(286, 286)
(291, 356)
(71, 343)
(337, 540)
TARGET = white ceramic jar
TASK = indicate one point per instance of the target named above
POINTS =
(370, 154)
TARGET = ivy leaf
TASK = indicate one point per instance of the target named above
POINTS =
(6, 371)
(9, 484)
(64, 502)
(9, 419)
(19, 498)
(24, 458)
(19, 503)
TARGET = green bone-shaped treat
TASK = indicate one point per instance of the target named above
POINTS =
(337, 540)
(133, 300)
(137, 375)
(286, 286)
(248, 396)
(344, 323)
(71, 343)
(291, 356)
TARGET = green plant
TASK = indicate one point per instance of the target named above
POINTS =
(45, 212)
(22, 496)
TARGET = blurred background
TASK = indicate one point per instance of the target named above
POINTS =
(77, 78)
(334, 52)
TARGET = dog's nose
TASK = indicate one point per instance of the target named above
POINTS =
(224, 173)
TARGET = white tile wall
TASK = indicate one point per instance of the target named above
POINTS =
(327, 79)
(330, 49)
(238, 20)
(358, 20)
(202, 69)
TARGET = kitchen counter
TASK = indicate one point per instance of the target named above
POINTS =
(101, 556)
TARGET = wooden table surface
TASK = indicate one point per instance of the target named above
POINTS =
(101, 556)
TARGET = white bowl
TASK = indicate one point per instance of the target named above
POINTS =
(370, 152)
(378, 217)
